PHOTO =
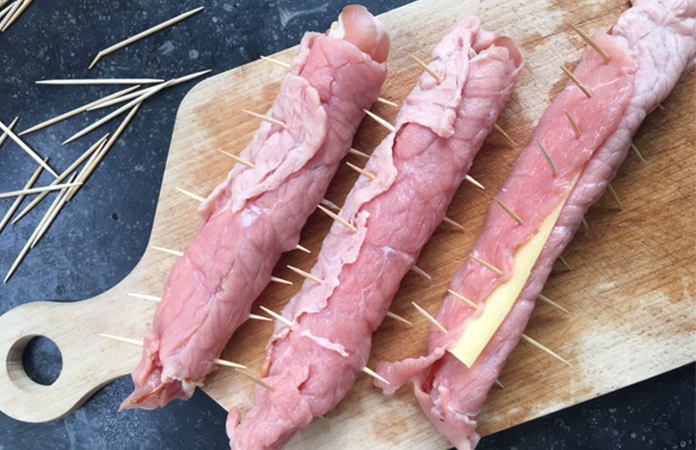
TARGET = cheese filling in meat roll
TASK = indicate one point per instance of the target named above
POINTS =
(651, 46)
(258, 213)
(417, 168)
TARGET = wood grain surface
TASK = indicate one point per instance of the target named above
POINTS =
(630, 290)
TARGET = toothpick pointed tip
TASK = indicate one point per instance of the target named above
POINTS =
(455, 224)
(96, 60)
(488, 266)
(281, 281)
(465, 300)
(278, 317)
(303, 249)
(428, 69)
(500, 130)
(338, 219)
(553, 304)
(375, 375)
(387, 102)
(399, 318)
(430, 318)
(545, 349)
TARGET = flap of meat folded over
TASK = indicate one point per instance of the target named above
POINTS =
(295, 144)
(430, 105)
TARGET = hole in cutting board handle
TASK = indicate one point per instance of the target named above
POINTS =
(34, 361)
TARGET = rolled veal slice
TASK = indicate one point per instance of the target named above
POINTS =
(313, 363)
(651, 46)
(258, 212)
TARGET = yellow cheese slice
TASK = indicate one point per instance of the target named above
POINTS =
(481, 328)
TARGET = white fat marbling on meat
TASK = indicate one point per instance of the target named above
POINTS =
(327, 344)
(249, 215)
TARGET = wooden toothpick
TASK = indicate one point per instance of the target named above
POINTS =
(339, 219)
(281, 281)
(591, 42)
(465, 300)
(398, 317)
(307, 275)
(55, 210)
(145, 33)
(362, 171)
(380, 121)
(167, 250)
(427, 68)
(387, 102)
(99, 81)
(11, 10)
(430, 319)
(135, 102)
(101, 153)
(352, 151)
(633, 147)
(3, 138)
(614, 195)
(471, 180)
(37, 190)
(260, 318)
(375, 375)
(151, 298)
(303, 249)
(584, 223)
(276, 62)
(191, 195)
(576, 128)
(27, 149)
(577, 82)
(330, 204)
(544, 349)
(257, 380)
(132, 95)
(265, 118)
(18, 200)
(547, 157)
(490, 267)
(5, 11)
(91, 150)
(138, 342)
(27, 246)
(78, 110)
(497, 128)
(421, 272)
(499, 384)
(15, 16)
(564, 262)
(449, 221)
(509, 211)
(553, 304)
(238, 159)
(278, 317)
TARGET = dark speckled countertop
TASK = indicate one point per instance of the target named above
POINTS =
(100, 236)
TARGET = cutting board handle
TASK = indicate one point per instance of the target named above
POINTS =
(89, 360)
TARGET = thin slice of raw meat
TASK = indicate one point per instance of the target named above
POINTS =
(418, 168)
(651, 46)
(258, 213)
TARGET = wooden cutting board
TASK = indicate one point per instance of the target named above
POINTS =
(630, 290)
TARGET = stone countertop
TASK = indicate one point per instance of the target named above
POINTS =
(98, 239)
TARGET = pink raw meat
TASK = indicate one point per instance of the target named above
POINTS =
(441, 127)
(651, 46)
(256, 215)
